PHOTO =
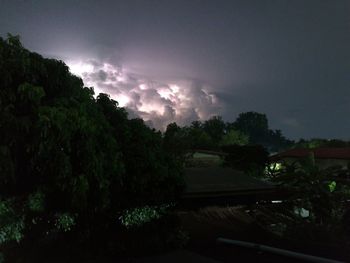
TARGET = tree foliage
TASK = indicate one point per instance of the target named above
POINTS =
(321, 143)
(251, 159)
(234, 137)
(215, 128)
(255, 126)
(62, 151)
(323, 193)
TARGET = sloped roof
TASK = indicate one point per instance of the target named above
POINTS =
(319, 153)
(220, 179)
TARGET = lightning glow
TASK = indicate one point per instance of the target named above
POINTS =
(80, 68)
(158, 102)
(123, 100)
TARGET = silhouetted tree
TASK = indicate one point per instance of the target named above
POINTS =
(234, 137)
(198, 138)
(254, 124)
(251, 159)
(215, 128)
(63, 152)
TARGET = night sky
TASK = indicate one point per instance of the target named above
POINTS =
(186, 60)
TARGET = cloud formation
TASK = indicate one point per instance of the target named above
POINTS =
(158, 102)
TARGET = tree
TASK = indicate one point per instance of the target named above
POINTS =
(251, 159)
(321, 143)
(198, 138)
(234, 137)
(322, 192)
(254, 124)
(275, 141)
(175, 140)
(68, 158)
(215, 128)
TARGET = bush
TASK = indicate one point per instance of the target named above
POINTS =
(322, 193)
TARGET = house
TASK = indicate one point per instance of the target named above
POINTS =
(324, 157)
(208, 182)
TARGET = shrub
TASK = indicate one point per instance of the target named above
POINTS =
(323, 194)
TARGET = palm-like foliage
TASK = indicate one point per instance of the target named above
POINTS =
(323, 192)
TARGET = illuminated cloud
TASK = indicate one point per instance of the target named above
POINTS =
(157, 102)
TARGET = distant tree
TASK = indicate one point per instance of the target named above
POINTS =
(321, 143)
(215, 128)
(198, 138)
(203, 141)
(315, 143)
(176, 140)
(234, 137)
(275, 141)
(196, 125)
(251, 159)
(254, 124)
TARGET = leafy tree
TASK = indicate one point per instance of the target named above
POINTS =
(153, 174)
(251, 159)
(215, 128)
(176, 140)
(68, 158)
(254, 124)
(198, 138)
(234, 137)
(322, 192)
(276, 141)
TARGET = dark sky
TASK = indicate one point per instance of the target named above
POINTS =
(183, 60)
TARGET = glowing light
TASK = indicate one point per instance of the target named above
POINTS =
(142, 86)
(80, 68)
(120, 78)
(148, 107)
(276, 201)
(152, 100)
(122, 100)
(165, 93)
(174, 88)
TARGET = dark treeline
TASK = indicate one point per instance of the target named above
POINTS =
(250, 128)
(321, 143)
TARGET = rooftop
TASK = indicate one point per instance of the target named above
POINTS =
(319, 153)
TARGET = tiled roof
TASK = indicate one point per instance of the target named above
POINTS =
(319, 153)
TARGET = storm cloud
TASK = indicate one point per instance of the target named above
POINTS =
(158, 102)
(289, 59)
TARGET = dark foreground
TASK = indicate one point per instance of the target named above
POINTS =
(204, 227)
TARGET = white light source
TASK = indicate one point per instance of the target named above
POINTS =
(174, 88)
(165, 93)
(122, 100)
(80, 68)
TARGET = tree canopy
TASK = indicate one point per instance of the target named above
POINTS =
(80, 155)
